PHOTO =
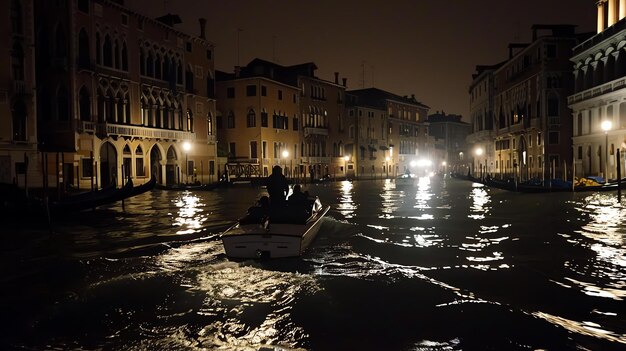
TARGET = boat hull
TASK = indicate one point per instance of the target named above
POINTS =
(278, 240)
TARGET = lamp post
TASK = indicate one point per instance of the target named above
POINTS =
(479, 152)
(606, 126)
(186, 147)
(345, 165)
(443, 166)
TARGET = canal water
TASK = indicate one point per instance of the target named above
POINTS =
(441, 265)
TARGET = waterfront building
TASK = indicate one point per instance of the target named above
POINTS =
(324, 133)
(367, 153)
(407, 129)
(258, 120)
(19, 160)
(532, 124)
(450, 134)
(598, 102)
(122, 95)
(482, 117)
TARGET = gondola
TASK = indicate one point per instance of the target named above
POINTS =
(140, 189)
(91, 200)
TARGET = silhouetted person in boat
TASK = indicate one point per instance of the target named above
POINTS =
(297, 198)
(277, 187)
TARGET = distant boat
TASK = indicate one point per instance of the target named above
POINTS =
(274, 232)
(406, 179)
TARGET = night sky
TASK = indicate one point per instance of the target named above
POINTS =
(424, 47)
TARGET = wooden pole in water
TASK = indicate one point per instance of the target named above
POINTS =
(619, 176)
(573, 174)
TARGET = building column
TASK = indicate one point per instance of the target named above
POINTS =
(600, 16)
(622, 9)
(612, 12)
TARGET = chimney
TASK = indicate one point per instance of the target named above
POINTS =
(345, 81)
(413, 96)
(336, 77)
(237, 71)
(202, 27)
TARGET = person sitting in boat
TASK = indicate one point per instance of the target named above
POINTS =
(297, 198)
(277, 187)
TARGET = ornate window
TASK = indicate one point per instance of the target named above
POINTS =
(84, 102)
(251, 119)
(83, 49)
(17, 62)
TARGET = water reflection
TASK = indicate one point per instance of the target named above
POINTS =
(603, 235)
(346, 207)
(190, 215)
(480, 200)
(252, 305)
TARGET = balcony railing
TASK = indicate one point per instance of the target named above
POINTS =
(315, 160)
(315, 131)
(137, 131)
(598, 90)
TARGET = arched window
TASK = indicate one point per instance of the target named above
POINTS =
(84, 102)
(120, 113)
(116, 55)
(167, 62)
(83, 49)
(98, 49)
(139, 164)
(150, 65)
(127, 162)
(189, 120)
(63, 107)
(179, 73)
(107, 49)
(19, 121)
(142, 62)
(17, 62)
(16, 16)
(251, 119)
(124, 57)
(110, 106)
(61, 43)
(157, 67)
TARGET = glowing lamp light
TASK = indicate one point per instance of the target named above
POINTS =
(607, 125)
(424, 163)
(479, 151)
(285, 153)
(413, 163)
(346, 158)
(186, 146)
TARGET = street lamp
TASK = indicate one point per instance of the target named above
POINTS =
(443, 166)
(186, 147)
(387, 165)
(345, 165)
(479, 152)
(606, 126)
(285, 155)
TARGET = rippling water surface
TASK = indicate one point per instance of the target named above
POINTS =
(441, 265)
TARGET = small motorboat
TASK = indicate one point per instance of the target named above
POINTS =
(267, 232)
(407, 179)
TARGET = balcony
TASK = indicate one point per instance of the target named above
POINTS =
(211, 138)
(483, 135)
(315, 160)
(596, 91)
(129, 131)
(308, 131)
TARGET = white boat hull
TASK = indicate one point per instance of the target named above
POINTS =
(277, 241)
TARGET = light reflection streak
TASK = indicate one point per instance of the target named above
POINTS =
(346, 203)
(480, 199)
(584, 328)
(190, 217)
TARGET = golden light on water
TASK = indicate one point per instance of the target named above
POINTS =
(190, 215)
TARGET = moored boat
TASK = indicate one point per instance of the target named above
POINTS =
(266, 232)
